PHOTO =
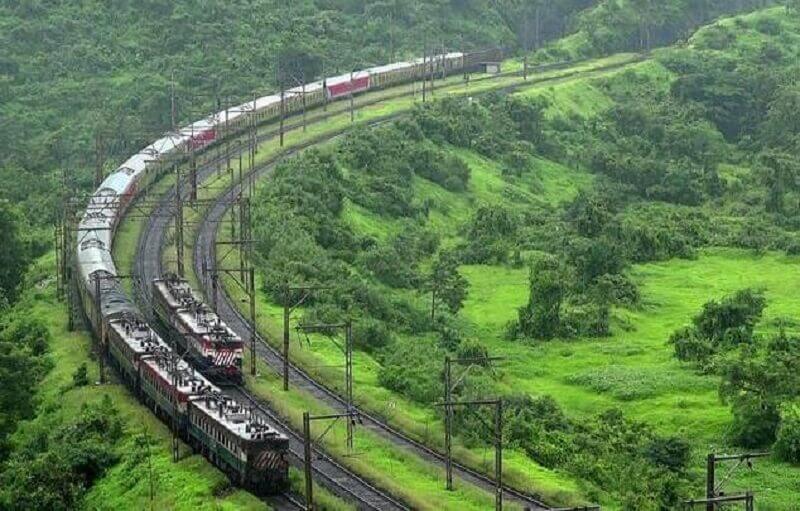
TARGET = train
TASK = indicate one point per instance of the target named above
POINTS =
(229, 434)
(208, 343)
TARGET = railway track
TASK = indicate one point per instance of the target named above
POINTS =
(332, 474)
(149, 266)
(335, 477)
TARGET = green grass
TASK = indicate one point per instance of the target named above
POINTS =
(635, 369)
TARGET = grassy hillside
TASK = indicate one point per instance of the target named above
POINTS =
(712, 224)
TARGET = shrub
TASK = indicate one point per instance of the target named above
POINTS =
(541, 317)
(787, 445)
(413, 368)
(721, 325)
(80, 378)
(371, 335)
(755, 422)
(671, 453)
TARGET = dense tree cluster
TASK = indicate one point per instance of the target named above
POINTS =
(720, 326)
(24, 344)
(614, 26)
(58, 464)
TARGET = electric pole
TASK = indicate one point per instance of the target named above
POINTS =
(714, 491)
(448, 404)
(347, 350)
(288, 307)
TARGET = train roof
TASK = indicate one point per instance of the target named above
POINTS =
(117, 182)
(205, 322)
(309, 88)
(164, 362)
(137, 334)
(235, 417)
(94, 259)
(167, 144)
(114, 301)
(200, 126)
(336, 80)
(390, 67)
(191, 310)
(176, 291)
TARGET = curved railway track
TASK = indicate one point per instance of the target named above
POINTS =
(336, 477)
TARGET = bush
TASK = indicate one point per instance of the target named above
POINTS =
(414, 369)
(618, 289)
(541, 317)
(755, 422)
(371, 335)
(689, 347)
(721, 325)
(671, 453)
(590, 320)
(80, 378)
(787, 445)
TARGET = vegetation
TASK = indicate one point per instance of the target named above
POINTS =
(57, 467)
(676, 170)
(109, 70)
(556, 226)
(614, 25)
(24, 344)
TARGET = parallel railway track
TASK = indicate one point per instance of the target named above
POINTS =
(334, 476)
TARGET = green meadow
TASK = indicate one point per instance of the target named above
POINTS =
(633, 370)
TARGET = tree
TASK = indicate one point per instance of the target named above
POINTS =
(787, 445)
(447, 285)
(541, 317)
(757, 382)
(13, 252)
(721, 325)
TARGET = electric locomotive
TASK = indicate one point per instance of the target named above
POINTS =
(208, 342)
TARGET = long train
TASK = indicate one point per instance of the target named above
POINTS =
(228, 434)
